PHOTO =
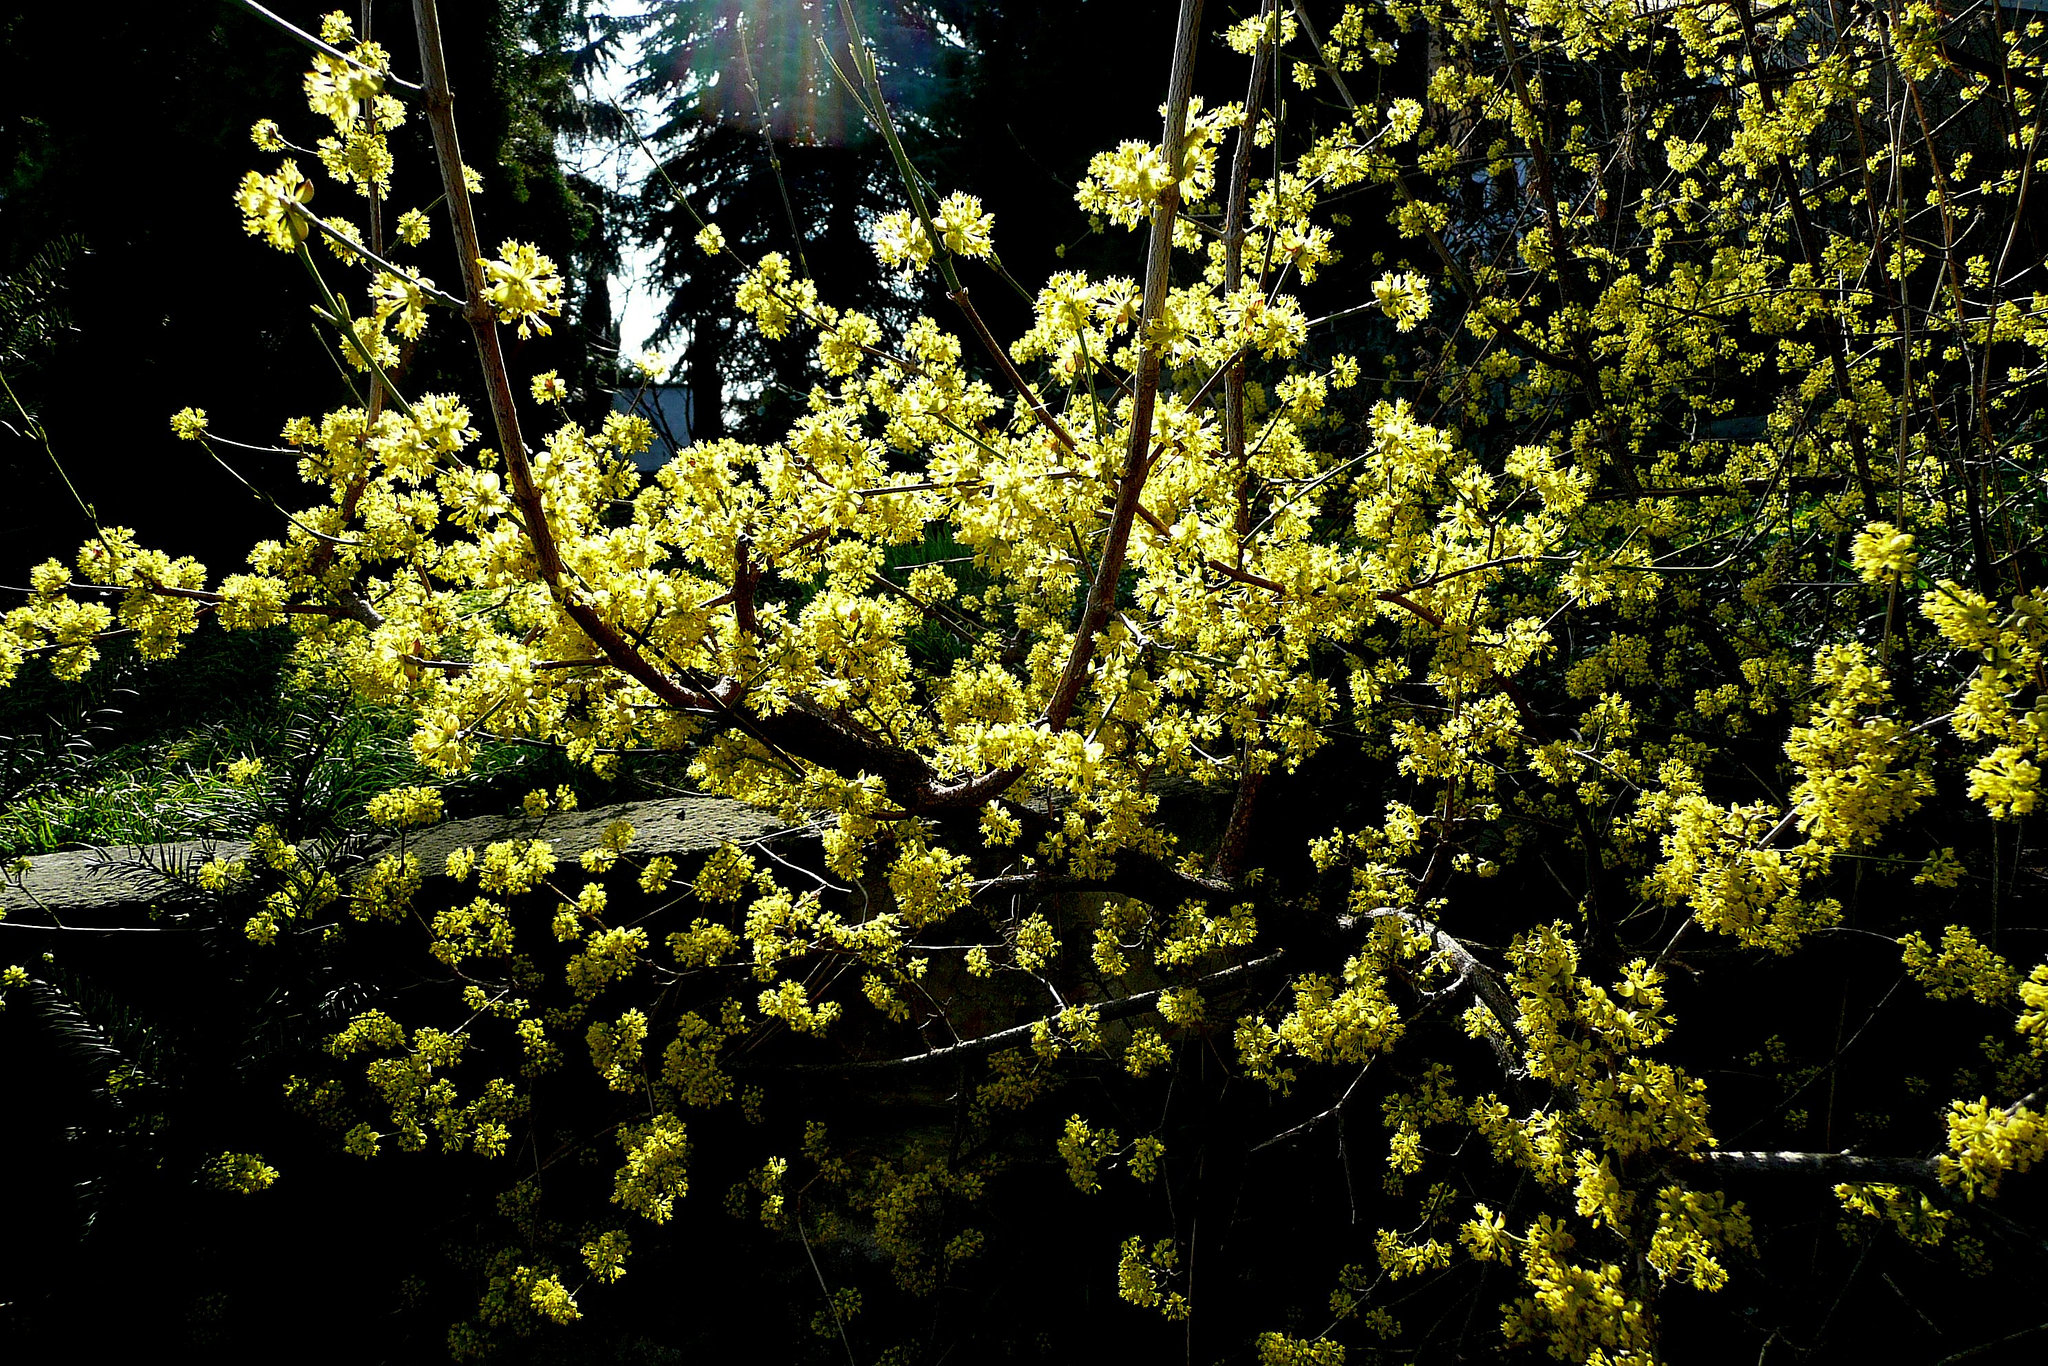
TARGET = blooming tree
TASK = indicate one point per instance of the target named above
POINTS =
(1386, 745)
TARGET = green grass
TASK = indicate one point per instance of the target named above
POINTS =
(137, 753)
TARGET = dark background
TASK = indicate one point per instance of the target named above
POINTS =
(123, 133)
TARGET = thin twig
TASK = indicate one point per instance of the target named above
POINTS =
(318, 44)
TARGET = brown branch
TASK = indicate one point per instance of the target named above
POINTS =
(103, 929)
(1798, 483)
(1459, 276)
(1145, 390)
(1985, 1348)
(353, 610)
(476, 309)
(1835, 1168)
(746, 579)
(1010, 371)
(1120, 1008)
(1233, 266)
(722, 696)
(1151, 519)
(1232, 853)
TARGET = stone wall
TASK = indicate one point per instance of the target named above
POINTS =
(89, 885)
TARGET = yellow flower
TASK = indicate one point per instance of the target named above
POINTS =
(1404, 116)
(1881, 552)
(711, 239)
(188, 424)
(360, 159)
(521, 285)
(336, 86)
(1961, 967)
(403, 297)
(1404, 297)
(413, 227)
(270, 204)
(402, 807)
(606, 1255)
(2006, 782)
(1124, 185)
(963, 227)
(900, 242)
(245, 1173)
(552, 1301)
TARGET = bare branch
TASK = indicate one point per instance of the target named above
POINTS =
(1831, 1167)
(1483, 981)
(1118, 1009)
(280, 22)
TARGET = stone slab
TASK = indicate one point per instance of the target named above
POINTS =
(107, 880)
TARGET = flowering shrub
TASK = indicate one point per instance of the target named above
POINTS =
(1654, 610)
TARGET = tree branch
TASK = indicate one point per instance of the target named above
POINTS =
(1117, 1009)
(318, 45)
(1832, 1167)
(1145, 390)
(1484, 982)
(809, 735)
